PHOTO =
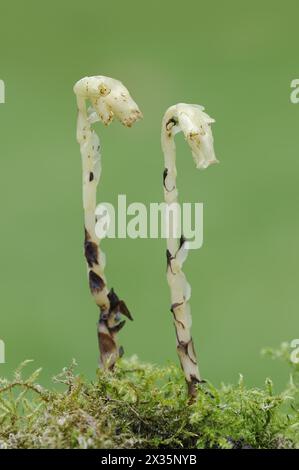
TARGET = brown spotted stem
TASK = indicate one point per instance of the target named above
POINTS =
(195, 124)
(108, 98)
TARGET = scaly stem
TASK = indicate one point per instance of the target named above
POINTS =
(96, 89)
(191, 121)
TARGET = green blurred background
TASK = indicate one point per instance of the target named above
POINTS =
(238, 59)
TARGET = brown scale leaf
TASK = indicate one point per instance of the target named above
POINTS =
(96, 283)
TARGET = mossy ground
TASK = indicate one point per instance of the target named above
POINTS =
(144, 406)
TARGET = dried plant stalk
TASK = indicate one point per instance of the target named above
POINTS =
(108, 99)
(195, 124)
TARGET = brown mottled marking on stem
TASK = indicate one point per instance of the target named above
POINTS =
(182, 241)
(114, 300)
(87, 236)
(96, 283)
(107, 347)
(179, 322)
(109, 326)
(169, 258)
(91, 250)
(118, 327)
(119, 305)
(191, 352)
(184, 348)
(176, 305)
(165, 173)
(192, 388)
(91, 253)
(172, 309)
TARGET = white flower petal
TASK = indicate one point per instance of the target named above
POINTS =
(195, 124)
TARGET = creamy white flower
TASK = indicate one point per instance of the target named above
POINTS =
(109, 98)
(196, 127)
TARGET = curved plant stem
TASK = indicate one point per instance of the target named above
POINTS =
(109, 99)
(195, 125)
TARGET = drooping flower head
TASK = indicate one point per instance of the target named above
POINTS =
(196, 127)
(109, 98)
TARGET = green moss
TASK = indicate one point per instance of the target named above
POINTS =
(144, 406)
